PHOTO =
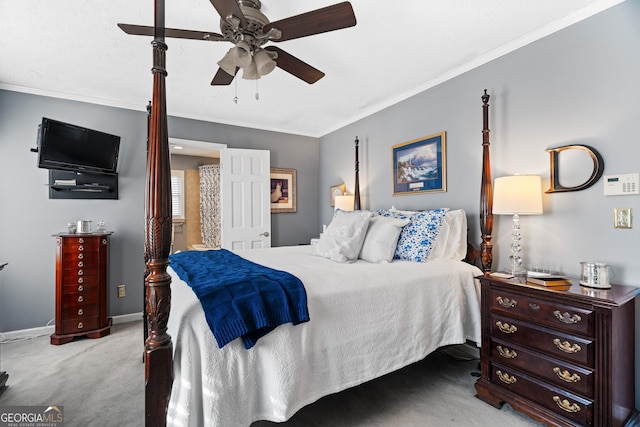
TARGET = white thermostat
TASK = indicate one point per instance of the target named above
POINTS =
(621, 184)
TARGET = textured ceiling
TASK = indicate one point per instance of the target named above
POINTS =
(73, 49)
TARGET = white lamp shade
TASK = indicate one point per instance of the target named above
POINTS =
(250, 72)
(518, 194)
(227, 63)
(264, 63)
(344, 203)
(241, 54)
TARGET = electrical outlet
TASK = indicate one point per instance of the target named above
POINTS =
(122, 291)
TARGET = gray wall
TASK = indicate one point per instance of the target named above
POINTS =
(28, 218)
(577, 86)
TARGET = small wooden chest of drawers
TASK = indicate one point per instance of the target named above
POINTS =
(81, 286)
(564, 356)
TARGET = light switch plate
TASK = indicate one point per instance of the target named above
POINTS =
(622, 217)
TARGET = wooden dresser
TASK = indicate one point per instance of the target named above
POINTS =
(81, 286)
(563, 356)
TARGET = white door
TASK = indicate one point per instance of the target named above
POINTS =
(246, 206)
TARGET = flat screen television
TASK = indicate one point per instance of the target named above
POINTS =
(64, 146)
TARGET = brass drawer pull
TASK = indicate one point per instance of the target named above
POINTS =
(81, 240)
(80, 256)
(506, 328)
(566, 376)
(567, 318)
(507, 353)
(506, 302)
(80, 280)
(81, 248)
(80, 288)
(104, 241)
(565, 405)
(80, 298)
(80, 312)
(80, 325)
(81, 264)
(80, 272)
(534, 307)
(566, 346)
(506, 378)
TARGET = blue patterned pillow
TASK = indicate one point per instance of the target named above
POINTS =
(417, 238)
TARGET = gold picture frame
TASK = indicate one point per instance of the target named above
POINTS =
(336, 190)
(420, 165)
(283, 190)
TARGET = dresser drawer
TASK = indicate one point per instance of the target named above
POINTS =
(80, 299)
(87, 245)
(563, 346)
(78, 260)
(558, 316)
(82, 286)
(80, 276)
(565, 404)
(79, 325)
(80, 312)
(551, 370)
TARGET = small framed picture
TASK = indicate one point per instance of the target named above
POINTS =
(622, 217)
(420, 165)
(336, 190)
(283, 190)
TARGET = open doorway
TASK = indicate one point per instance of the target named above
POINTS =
(187, 156)
(225, 196)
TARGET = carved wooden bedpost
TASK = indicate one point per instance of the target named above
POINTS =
(158, 346)
(486, 192)
(356, 191)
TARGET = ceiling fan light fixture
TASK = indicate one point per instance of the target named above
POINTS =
(250, 72)
(264, 63)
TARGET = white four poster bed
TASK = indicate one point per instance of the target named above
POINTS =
(366, 319)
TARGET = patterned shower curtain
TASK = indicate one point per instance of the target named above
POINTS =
(210, 205)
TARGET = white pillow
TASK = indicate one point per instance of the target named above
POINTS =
(344, 236)
(381, 239)
(451, 242)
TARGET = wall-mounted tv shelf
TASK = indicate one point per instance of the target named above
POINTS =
(80, 185)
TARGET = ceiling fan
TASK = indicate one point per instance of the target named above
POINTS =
(243, 24)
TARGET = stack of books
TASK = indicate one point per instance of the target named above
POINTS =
(546, 279)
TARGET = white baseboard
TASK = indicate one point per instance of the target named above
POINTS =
(124, 318)
(49, 329)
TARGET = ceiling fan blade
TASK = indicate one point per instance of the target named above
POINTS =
(317, 21)
(222, 78)
(293, 65)
(229, 7)
(143, 30)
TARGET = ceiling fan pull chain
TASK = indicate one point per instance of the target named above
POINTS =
(257, 94)
(235, 98)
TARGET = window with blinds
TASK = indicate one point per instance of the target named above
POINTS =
(177, 194)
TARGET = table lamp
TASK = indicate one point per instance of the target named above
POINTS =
(344, 203)
(517, 195)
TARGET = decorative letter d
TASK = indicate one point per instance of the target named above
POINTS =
(598, 168)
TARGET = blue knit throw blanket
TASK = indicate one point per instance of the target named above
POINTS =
(241, 298)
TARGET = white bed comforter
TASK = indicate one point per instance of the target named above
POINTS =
(366, 320)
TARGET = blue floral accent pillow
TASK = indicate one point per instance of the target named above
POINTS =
(417, 238)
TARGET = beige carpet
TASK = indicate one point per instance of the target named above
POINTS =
(101, 383)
